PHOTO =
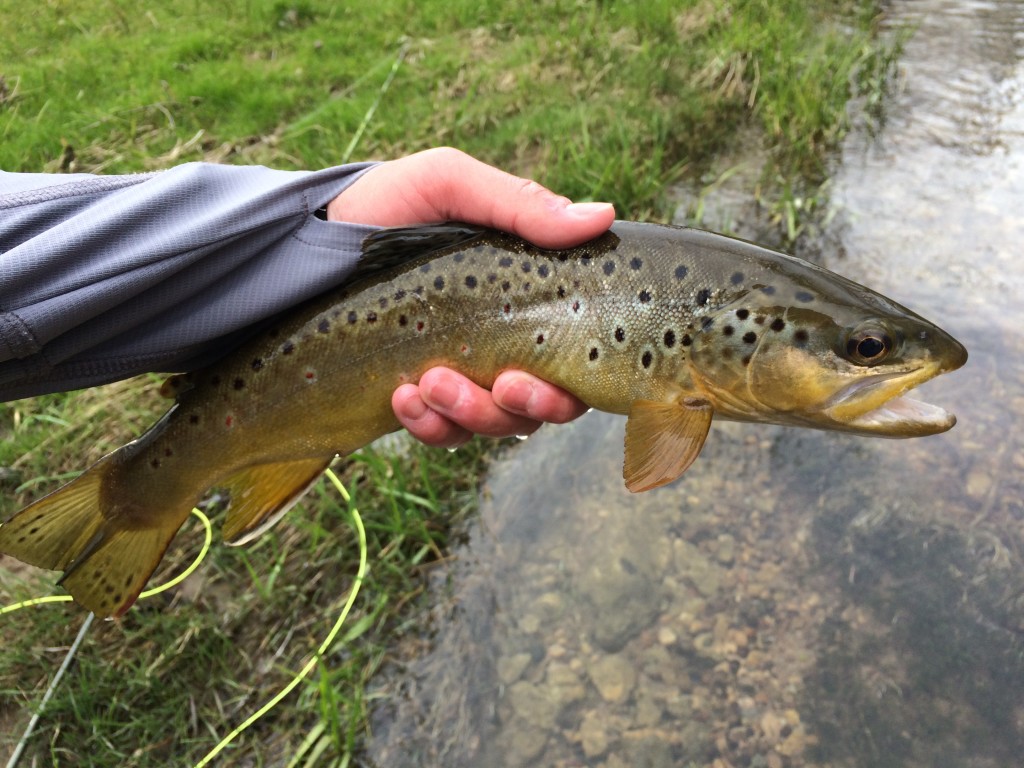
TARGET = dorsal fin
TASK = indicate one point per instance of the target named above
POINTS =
(397, 245)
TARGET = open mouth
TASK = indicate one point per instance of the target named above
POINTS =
(877, 406)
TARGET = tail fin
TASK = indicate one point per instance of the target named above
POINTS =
(107, 558)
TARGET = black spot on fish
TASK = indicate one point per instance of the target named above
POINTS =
(670, 338)
(759, 320)
(287, 348)
(702, 296)
(686, 340)
(561, 292)
(586, 258)
(804, 296)
(382, 302)
(256, 364)
(418, 290)
(128, 581)
(593, 353)
(352, 317)
(492, 278)
(371, 317)
(742, 314)
(728, 330)
(527, 266)
(215, 381)
(154, 463)
(403, 320)
(777, 324)
(425, 268)
(608, 267)
(505, 285)
(193, 418)
(543, 270)
(459, 256)
(801, 338)
(746, 360)
(540, 338)
(526, 287)
(768, 290)
(399, 295)
(324, 326)
(620, 335)
(439, 283)
(636, 262)
(470, 281)
(644, 296)
(168, 452)
(737, 278)
(239, 384)
(681, 272)
(505, 261)
(750, 337)
(646, 359)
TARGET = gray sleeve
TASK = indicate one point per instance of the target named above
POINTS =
(104, 277)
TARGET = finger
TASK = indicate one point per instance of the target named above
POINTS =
(424, 424)
(457, 398)
(534, 398)
(445, 184)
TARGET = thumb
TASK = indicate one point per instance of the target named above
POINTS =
(445, 184)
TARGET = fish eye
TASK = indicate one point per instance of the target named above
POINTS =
(868, 346)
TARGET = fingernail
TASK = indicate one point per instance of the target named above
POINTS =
(444, 395)
(587, 209)
(517, 397)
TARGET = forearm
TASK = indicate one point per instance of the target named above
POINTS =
(105, 277)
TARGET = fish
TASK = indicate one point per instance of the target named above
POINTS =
(669, 326)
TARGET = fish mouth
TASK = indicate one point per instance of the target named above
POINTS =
(877, 406)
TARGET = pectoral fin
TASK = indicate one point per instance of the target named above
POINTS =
(261, 494)
(663, 440)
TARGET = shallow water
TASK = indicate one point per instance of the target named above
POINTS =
(799, 598)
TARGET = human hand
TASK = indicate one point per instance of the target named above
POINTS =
(445, 408)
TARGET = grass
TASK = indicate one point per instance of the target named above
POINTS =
(603, 100)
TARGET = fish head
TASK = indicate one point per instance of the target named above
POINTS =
(823, 352)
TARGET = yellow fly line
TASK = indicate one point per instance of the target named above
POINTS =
(208, 538)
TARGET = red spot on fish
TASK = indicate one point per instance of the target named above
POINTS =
(229, 421)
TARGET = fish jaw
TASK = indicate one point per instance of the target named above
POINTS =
(877, 405)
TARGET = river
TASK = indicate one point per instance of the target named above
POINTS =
(799, 598)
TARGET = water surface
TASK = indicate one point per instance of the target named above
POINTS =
(799, 598)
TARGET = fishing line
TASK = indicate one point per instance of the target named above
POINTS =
(207, 540)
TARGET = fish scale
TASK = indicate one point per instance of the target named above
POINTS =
(666, 325)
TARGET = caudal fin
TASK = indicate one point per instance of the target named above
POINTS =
(107, 558)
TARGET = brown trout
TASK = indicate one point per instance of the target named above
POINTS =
(669, 326)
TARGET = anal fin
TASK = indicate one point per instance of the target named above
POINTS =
(663, 440)
(263, 493)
